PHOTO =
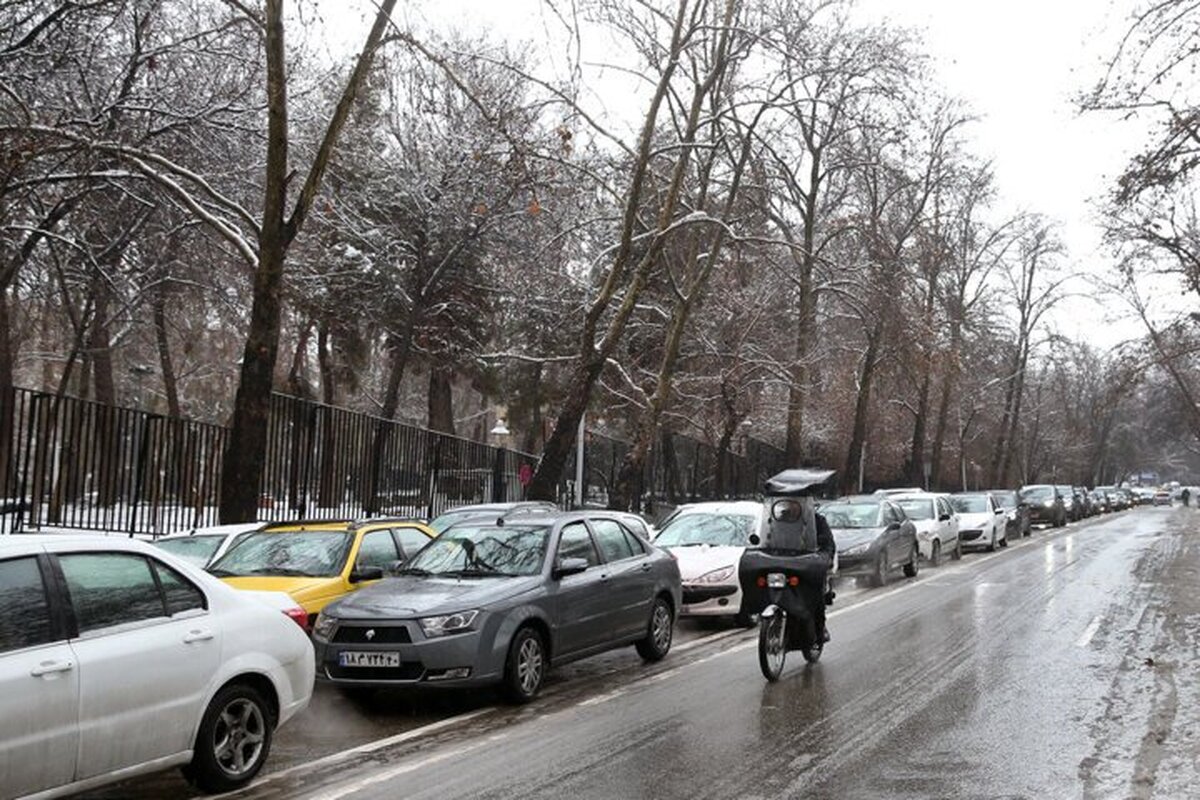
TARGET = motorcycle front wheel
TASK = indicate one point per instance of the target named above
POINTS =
(772, 645)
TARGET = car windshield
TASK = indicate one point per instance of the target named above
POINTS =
(1038, 493)
(970, 504)
(1005, 499)
(699, 528)
(311, 554)
(192, 549)
(852, 515)
(447, 518)
(483, 550)
(917, 509)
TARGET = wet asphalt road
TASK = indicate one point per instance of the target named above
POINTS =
(1062, 667)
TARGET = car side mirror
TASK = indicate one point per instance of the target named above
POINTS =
(893, 526)
(569, 566)
(395, 567)
(361, 574)
(755, 540)
(944, 518)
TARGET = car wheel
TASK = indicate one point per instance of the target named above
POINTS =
(957, 553)
(233, 741)
(657, 643)
(935, 555)
(1004, 539)
(526, 667)
(880, 576)
(910, 569)
(991, 548)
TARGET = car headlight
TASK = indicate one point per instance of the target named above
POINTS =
(716, 576)
(448, 624)
(1049, 504)
(1012, 515)
(858, 549)
(323, 628)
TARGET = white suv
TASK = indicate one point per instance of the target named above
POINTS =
(118, 659)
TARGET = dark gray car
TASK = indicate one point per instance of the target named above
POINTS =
(501, 601)
(873, 536)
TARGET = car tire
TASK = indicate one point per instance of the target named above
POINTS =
(991, 547)
(957, 552)
(935, 554)
(233, 742)
(910, 569)
(525, 668)
(1004, 541)
(659, 633)
(880, 576)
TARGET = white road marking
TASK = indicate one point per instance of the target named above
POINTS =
(1085, 638)
(600, 698)
(353, 787)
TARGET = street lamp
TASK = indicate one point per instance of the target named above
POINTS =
(500, 429)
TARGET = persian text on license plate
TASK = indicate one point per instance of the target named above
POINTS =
(372, 659)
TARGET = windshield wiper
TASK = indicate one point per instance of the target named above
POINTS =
(222, 573)
(282, 572)
(413, 571)
(477, 572)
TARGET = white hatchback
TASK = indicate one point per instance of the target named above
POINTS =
(118, 659)
(936, 523)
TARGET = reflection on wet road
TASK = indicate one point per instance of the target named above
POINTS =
(1059, 668)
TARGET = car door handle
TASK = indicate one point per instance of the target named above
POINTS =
(197, 636)
(646, 567)
(51, 667)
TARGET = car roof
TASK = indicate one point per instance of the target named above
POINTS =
(720, 507)
(24, 543)
(486, 507)
(863, 498)
(914, 496)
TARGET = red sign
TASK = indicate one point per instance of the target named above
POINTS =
(525, 474)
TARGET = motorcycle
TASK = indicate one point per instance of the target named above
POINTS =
(784, 580)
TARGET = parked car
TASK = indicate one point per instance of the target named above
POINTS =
(1100, 501)
(981, 522)
(1017, 522)
(936, 524)
(203, 546)
(503, 602)
(447, 518)
(900, 491)
(318, 561)
(1085, 501)
(1116, 499)
(1070, 502)
(1142, 496)
(873, 537)
(708, 539)
(1162, 497)
(1045, 504)
(118, 659)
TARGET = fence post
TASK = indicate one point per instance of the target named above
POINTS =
(435, 463)
(498, 493)
(145, 423)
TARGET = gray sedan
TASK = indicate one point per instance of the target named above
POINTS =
(501, 601)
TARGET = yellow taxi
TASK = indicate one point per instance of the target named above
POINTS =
(318, 561)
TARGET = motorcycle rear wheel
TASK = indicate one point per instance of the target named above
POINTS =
(772, 645)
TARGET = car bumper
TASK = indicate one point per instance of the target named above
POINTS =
(1042, 516)
(857, 564)
(975, 538)
(423, 662)
(710, 601)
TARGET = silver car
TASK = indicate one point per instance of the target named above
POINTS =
(500, 601)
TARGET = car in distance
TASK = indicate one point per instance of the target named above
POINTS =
(117, 659)
(1070, 503)
(981, 522)
(318, 561)
(1162, 497)
(501, 602)
(936, 524)
(1045, 504)
(447, 518)
(708, 540)
(1016, 513)
(203, 546)
(873, 537)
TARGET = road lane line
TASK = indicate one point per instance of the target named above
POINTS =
(1090, 631)
(354, 787)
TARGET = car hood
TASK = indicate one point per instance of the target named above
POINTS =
(301, 589)
(853, 537)
(974, 520)
(697, 560)
(413, 596)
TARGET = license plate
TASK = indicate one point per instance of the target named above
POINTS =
(372, 659)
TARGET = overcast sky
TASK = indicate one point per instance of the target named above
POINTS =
(1019, 65)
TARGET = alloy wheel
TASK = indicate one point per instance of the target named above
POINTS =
(238, 736)
(530, 664)
(661, 627)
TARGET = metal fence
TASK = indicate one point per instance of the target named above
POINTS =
(71, 463)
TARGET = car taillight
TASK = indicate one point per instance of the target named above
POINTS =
(298, 616)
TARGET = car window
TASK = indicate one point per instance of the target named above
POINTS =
(111, 589)
(635, 544)
(575, 542)
(313, 554)
(411, 540)
(378, 549)
(25, 619)
(196, 550)
(180, 593)
(610, 536)
(971, 504)
(704, 527)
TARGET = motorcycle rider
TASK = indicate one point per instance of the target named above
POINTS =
(799, 507)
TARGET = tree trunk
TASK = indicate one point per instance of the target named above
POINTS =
(533, 433)
(560, 446)
(916, 458)
(170, 384)
(327, 494)
(8, 403)
(441, 399)
(400, 351)
(297, 383)
(858, 437)
(949, 380)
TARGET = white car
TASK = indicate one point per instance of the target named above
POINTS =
(707, 540)
(981, 522)
(203, 546)
(118, 659)
(936, 523)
